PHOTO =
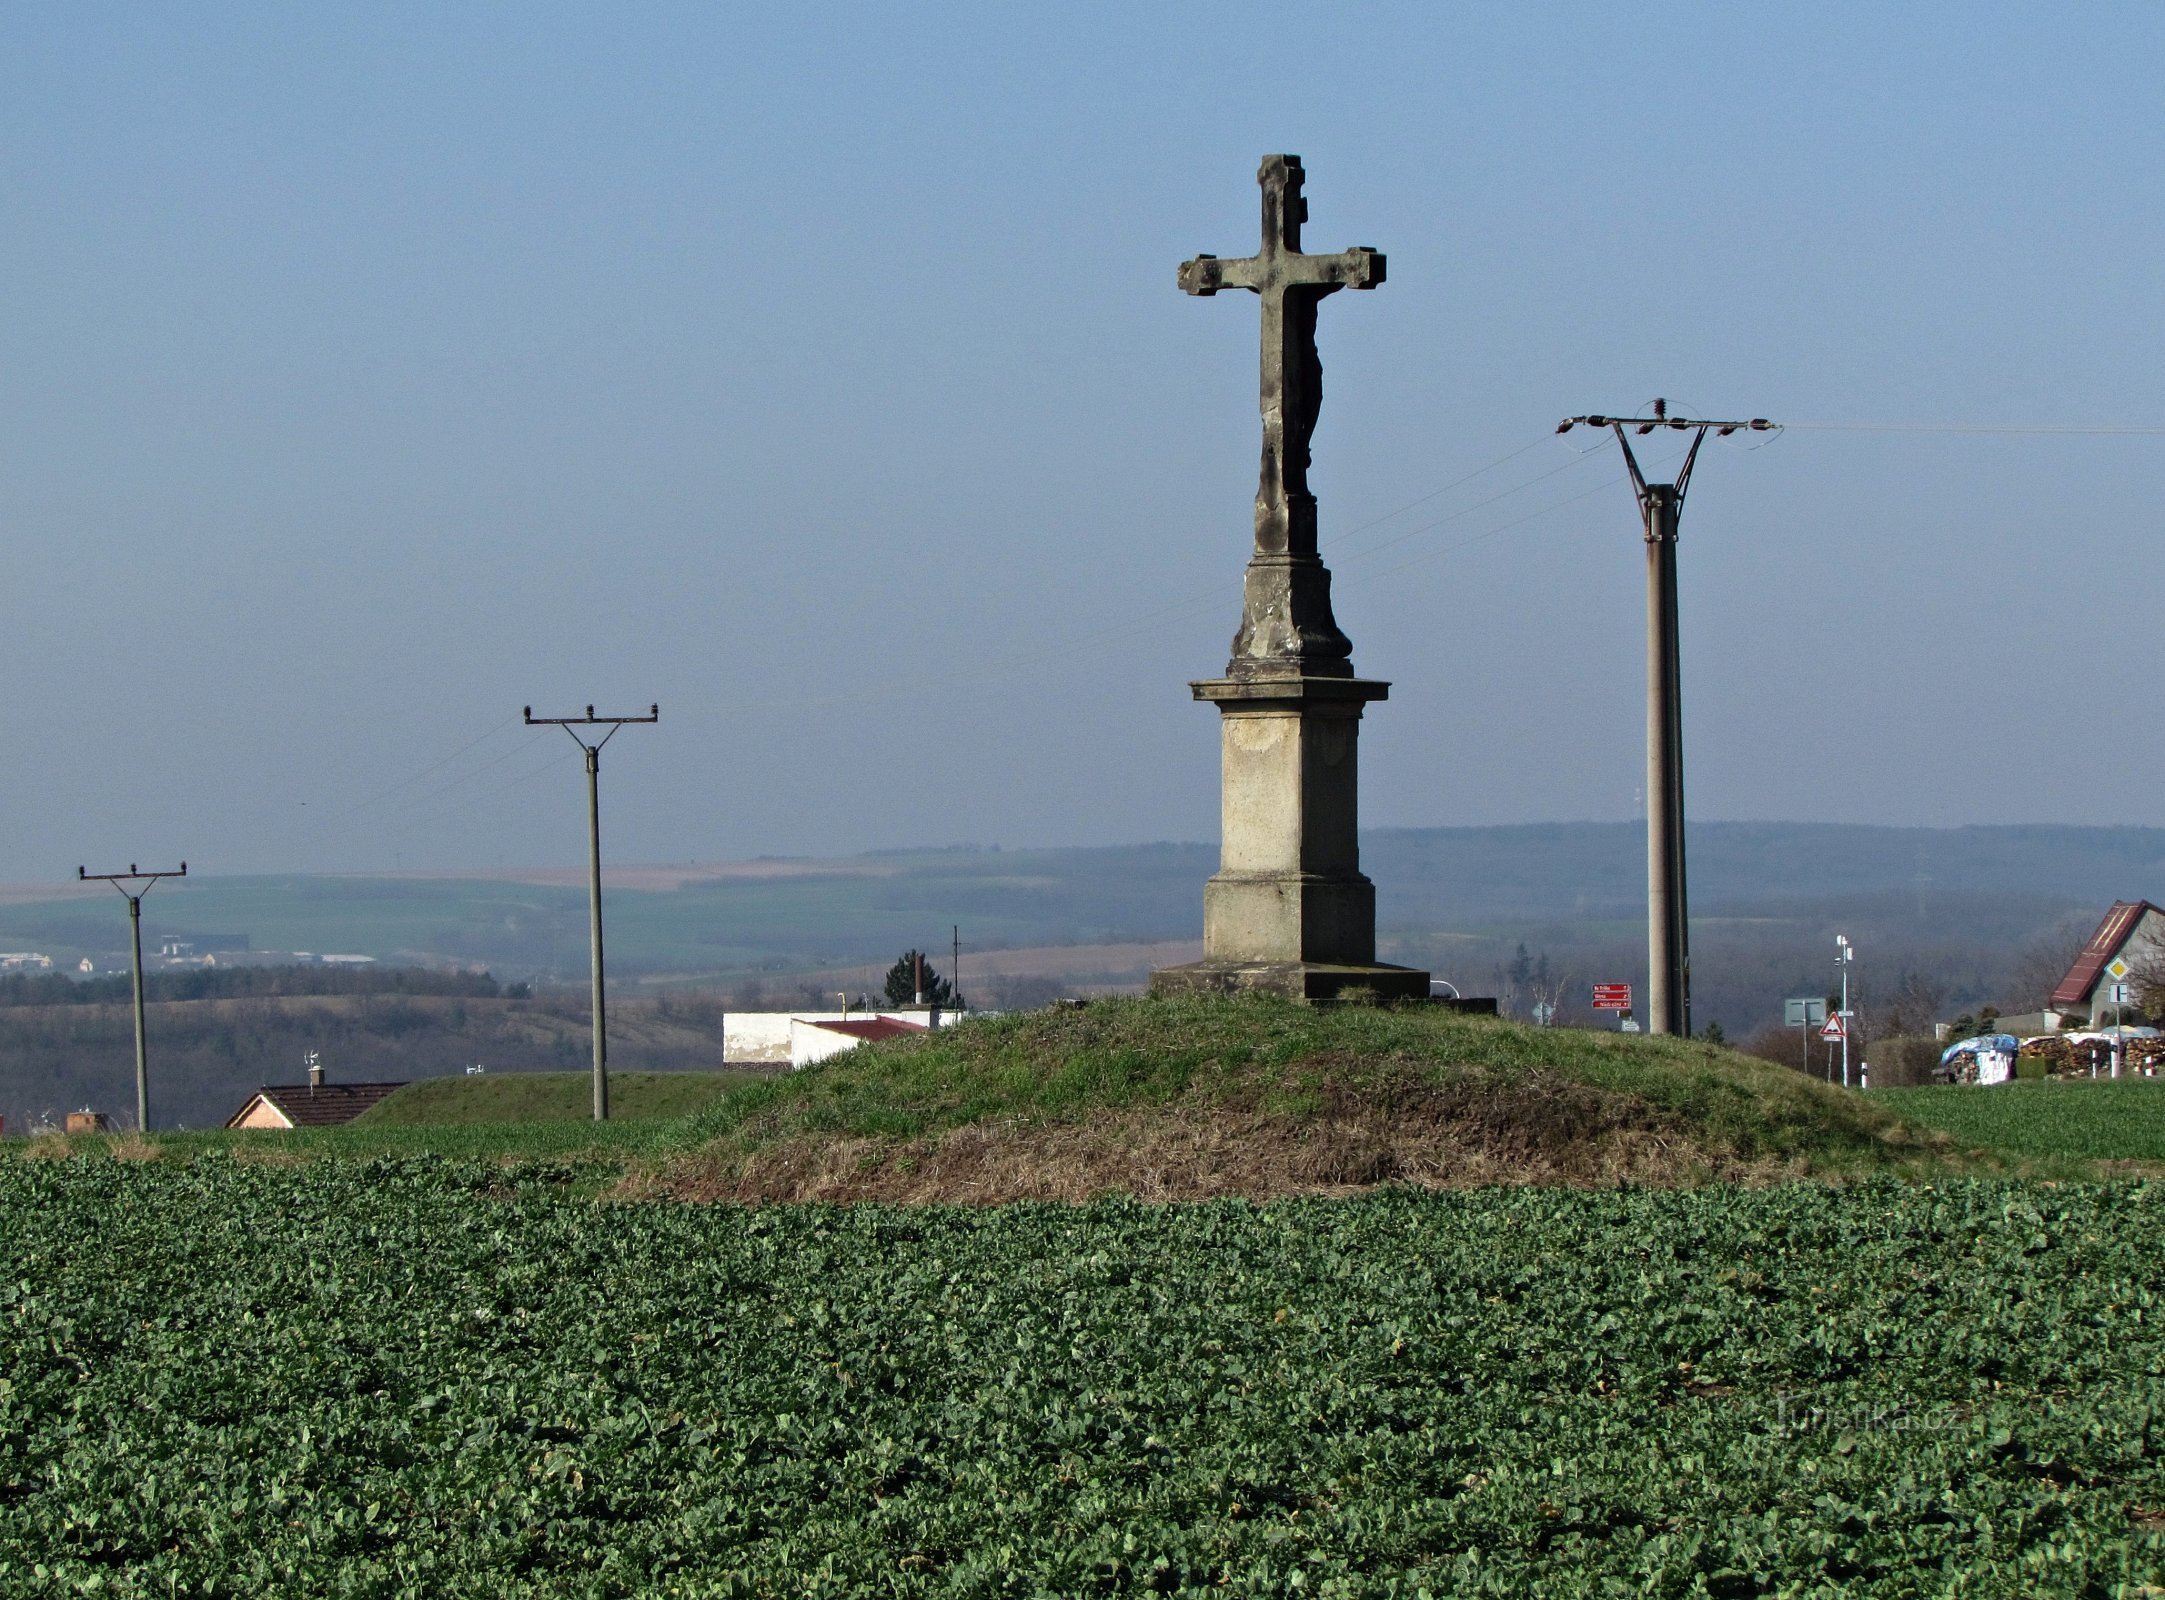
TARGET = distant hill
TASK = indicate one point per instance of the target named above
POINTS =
(856, 909)
(1959, 905)
(1445, 877)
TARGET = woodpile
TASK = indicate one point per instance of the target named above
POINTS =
(2057, 1056)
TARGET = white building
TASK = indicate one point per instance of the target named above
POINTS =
(755, 1038)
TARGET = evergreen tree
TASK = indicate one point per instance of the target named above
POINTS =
(901, 987)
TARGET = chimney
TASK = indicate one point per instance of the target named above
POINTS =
(315, 1073)
(918, 965)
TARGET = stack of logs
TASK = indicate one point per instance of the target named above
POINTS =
(2086, 1057)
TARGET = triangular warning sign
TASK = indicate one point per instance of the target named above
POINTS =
(1834, 1028)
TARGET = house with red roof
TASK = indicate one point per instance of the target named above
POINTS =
(2130, 942)
(314, 1104)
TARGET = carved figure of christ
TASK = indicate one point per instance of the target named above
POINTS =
(1291, 285)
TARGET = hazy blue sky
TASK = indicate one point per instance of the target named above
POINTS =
(369, 372)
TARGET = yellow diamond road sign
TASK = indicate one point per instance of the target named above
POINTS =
(2118, 969)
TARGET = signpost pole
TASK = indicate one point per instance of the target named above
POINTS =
(1844, 954)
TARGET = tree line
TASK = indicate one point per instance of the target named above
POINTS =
(250, 983)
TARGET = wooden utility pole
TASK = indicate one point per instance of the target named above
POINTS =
(134, 897)
(593, 845)
(1668, 922)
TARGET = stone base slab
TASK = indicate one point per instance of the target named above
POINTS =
(1298, 980)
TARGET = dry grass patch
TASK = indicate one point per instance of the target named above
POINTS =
(1539, 1128)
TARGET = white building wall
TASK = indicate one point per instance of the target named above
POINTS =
(750, 1038)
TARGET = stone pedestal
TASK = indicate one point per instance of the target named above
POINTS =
(1289, 910)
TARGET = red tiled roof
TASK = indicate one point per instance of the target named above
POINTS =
(872, 1027)
(324, 1107)
(2081, 978)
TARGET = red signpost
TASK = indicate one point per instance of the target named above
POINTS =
(1612, 997)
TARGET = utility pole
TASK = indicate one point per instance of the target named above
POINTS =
(134, 897)
(571, 725)
(1668, 926)
(954, 969)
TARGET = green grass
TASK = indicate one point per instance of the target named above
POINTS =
(2081, 1119)
(617, 1141)
(1119, 1055)
(550, 1097)
(507, 1117)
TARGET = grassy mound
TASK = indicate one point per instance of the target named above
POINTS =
(1189, 1099)
(548, 1097)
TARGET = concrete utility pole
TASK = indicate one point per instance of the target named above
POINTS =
(134, 897)
(1668, 925)
(593, 843)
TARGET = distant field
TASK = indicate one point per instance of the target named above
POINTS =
(2098, 1120)
(551, 1097)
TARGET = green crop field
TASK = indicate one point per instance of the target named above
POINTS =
(2081, 1118)
(434, 1378)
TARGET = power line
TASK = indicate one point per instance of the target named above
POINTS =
(1181, 606)
(1466, 511)
(1455, 483)
(1603, 487)
(2076, 430)
(465, 778)
(416, 777)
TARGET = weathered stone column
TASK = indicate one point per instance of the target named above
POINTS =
(1289, 910)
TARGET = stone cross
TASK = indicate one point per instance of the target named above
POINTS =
(1291, 285)
(1288, 910)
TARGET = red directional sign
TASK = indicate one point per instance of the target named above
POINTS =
(1612, 997)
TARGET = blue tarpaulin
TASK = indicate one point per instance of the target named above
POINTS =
(2004, 1043)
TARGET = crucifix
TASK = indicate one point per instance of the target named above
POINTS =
(1289, 910)
(1292, 285)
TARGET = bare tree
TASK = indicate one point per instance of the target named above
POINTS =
(2147, 979)
(2041, 964)
(1910, 1008)
(1548, 987)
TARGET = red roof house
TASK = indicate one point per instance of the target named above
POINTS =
(2134, 931)
(309, 1105)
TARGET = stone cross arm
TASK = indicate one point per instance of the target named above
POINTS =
(1291, 286)
(1358, 268)
(1279, 265)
